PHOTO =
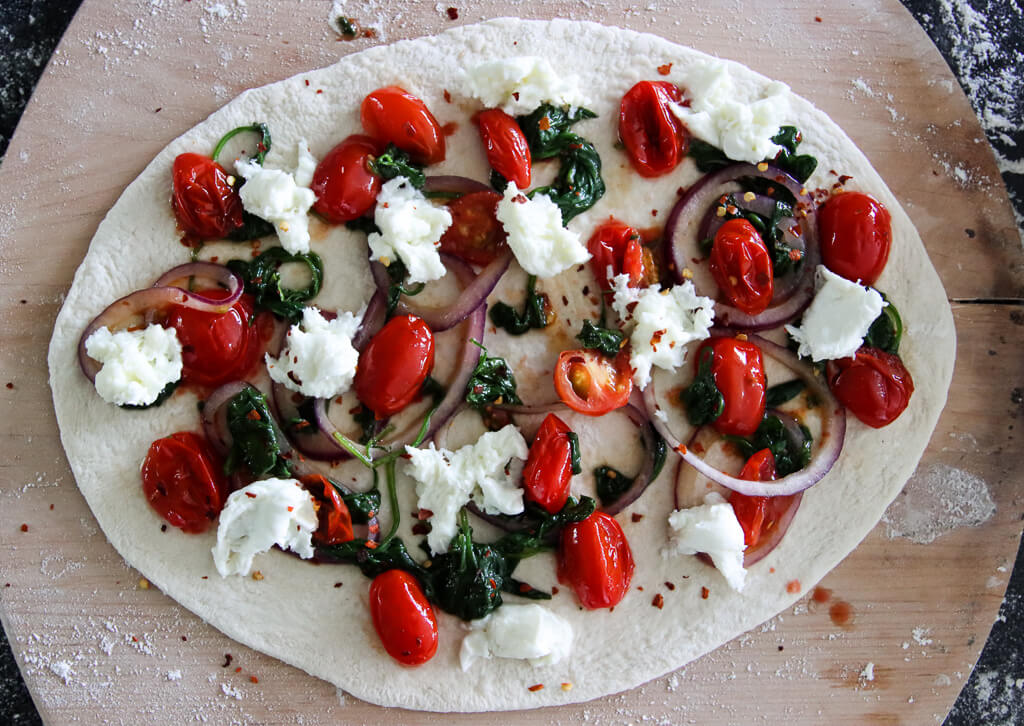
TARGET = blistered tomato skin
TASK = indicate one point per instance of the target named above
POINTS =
(874, 385)
(394, 365)
(618, 246)
(751, 511)
(738, 369)
(655, 140)
(345, 187)
(205, 205)
(335, 521)
(595, 559)
(403, 618)
(856, 235)
(742, 267)
(393, 115)
(475, 235)
(548, 470)
(183, 481)
(505, 145)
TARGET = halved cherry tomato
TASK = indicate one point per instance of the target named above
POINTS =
(403, 618)
(548, 469)
(618, 246)
(506, 147)
(393, 115)
(592, 383)
(655, 140)
(873, 384)
(738, 369)
(856, 234)
(759, 515)
(594, 558)
(742, 267)
(204, 203)
(183, 481)
(335, 522)
(345, 187)
(394, 365)
(475, 235)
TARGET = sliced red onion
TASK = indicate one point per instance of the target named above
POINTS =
(645, 477)
(318, 445)
(456, 186)
(373, 320)
(193, 274)
(214, 415)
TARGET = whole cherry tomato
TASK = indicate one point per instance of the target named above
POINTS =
(856, 234)
(335, 522)
(475, 235)
(393, 115)
(742, 267)
(590, 382)
(738, 369)
(873, 384)
(655, 140)
(616, 245)
(506, 147)
(345, 187)
(594, 558)
(183, 481)
(403, 618)
(759, 516)
(548, 469)
(204, 203)
(394, 365)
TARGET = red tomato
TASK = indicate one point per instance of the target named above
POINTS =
(594, 558)
(506, 147)
(655, 140)
(742, 267)
(205, 205)
(856, 234)
(183, 481)
(873, 384)
(331, 511)
(403, 618)
(549, 467)
(475, 236)
(393, 115)
(394, 365)
(759, 515)
(738, 370)
(345, 187)
(616, 245)
(592, 383)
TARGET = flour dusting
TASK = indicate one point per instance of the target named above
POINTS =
(937, 500)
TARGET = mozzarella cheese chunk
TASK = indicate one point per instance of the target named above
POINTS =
(838, 318)
(447, 480)
(712, 528)
(531, 632)
(665, 322)
(318, 359)
(257, 517)
(281, 198)
(410, 229)
(719, 114)
(536, 236)
(519, 85)
(137, 364)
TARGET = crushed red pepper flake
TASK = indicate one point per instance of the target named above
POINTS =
(817, 19)
(227, 660)
(24, 528)
(658, 601)
(10, 386)
(535, 687)
(793, 587)
(238, 669)
(254, 679)
(704, 592)
(637, 516)
(665, 69)
(670, 585)
(453, 13)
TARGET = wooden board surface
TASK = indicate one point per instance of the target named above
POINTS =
(96, 647)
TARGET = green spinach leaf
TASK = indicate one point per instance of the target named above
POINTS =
(255, 438)
(492, 381)
(783, 392)
(799, 166)
(534, 315)
(263, 281)
(611, 483)
(704, 402)
(262, 146)
(398, 273)
(887, 330)
(790, 455)
(547, 129)
(707, 157)
(394, 162)
(603, 340)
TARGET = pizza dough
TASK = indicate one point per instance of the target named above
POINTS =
(295, 612)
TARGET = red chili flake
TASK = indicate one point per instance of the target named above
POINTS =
(227, 660)
(51, 507)
(369, 33)
(453, 13)
(544, 124)
(7, 584)
(307, 81)
(670, 586)
(371, 545)
(204, 577)
(658, 601)
(238, 669)
(793, 587)
(636, 517)
(254, 679)
(665, 69)
(491, 582)
(184, 639)
(681, 448)
(253, 415)
(817, 19)
(424, 514)
(250, 495)
(554, 589)
(24, 528)
(640, 588)
(515, 95)
(158, 110)
(704, 592)
(656, 337)
(771, 570)
(535, 687)
(10, 386)
(134, 639)
(447, 96)
(319, 90)
(845, 178)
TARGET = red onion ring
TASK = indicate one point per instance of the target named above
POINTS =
(185, 277)
(454, 185)
(214, 415)
(374, 317)
(318, 445)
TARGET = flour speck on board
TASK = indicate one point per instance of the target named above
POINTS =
(230, 691)
(937, 500)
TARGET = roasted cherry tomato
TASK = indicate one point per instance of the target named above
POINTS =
(331, 511)
(548, 469)
(345, 187)
(506, 147)
(873, 384)
(394, 365)
(183, 481)
(759, 516)
(856, 234)
(204, 203)
(616, 245)
(594, 558)
(393, 115)
(592, 383)
(655, 140)
(738, 370)
(742, 267)
(475, 235)
(403, 618)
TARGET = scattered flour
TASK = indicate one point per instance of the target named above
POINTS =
(174, 675)
(920, 635)
(868, 674)
(230, 691)
(937, 500)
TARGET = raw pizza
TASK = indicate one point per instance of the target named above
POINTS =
(474, 319)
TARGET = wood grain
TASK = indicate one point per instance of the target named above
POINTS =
(129, 77)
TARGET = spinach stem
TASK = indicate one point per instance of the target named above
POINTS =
(389, 473)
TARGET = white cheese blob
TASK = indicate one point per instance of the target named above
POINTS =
(281, 198)
(257, 517)
(519, 85)
(838, 318)
(318, 359)
(742, 127)
(137, 364)
(530, 632)
(665, 322)
(536, 236)
(410, 229)
(712, 528)
(447, 480)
